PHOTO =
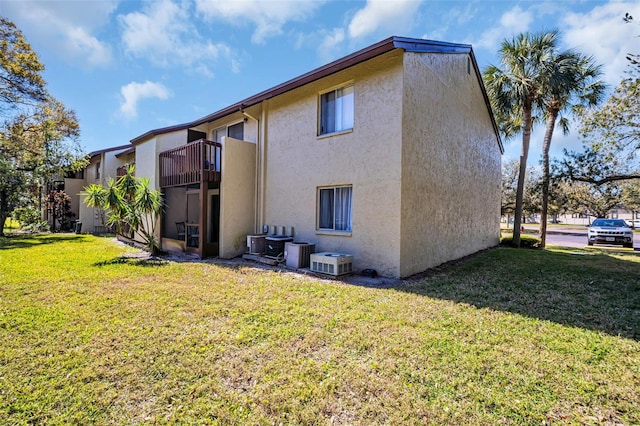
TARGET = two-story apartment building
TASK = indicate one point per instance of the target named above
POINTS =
(390, 154)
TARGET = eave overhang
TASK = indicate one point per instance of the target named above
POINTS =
(382, 47)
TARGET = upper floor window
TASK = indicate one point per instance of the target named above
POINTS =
(235, 131)
(336, 110)
(98, 170)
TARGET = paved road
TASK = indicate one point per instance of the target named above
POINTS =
(577, 238)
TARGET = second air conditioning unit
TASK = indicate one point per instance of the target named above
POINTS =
(297, 255)
(332, 263)
(274, 246)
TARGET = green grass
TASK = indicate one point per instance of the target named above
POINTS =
(10, 225)
(90, 336)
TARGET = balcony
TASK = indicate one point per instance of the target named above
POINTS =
(195, 162)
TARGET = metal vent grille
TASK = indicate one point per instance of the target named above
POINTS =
(332, 263)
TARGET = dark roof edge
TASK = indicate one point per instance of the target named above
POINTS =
(487, 101)
(382, 47)
(130, 149)
(114, 148)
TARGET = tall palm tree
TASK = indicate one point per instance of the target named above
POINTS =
(572, 84)
(516, 91)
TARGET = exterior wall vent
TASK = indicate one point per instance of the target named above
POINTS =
(298, 254)
(332, 263)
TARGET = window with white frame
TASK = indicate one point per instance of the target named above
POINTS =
(336, 110)
(335, 208)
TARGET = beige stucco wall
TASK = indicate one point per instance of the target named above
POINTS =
(90, 171)
(146, 163)
(89, 216)
(237, 196)
(110, 166)
(450, 162)
(369, 158)
(73, 187)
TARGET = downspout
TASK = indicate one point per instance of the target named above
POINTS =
(262, 176)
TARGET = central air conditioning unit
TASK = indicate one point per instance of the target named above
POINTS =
(274, 246)
(297, 255)
(331, 263)
(256, 243)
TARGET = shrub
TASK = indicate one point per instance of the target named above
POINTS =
(526, 241)
(133, 206)
(41, 226)
(27, 216)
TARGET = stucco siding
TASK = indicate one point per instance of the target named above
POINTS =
(298, 162)
(146, 161)
(73, 187)
(237, 196)
(111, 164)
(89, 216)
(450, 163)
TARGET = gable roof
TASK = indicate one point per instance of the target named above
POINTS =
(407, 44)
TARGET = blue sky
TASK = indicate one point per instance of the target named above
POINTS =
(127, 67)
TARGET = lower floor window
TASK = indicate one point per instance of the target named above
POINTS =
(335, 208)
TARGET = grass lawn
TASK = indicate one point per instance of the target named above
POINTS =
(11, 225)
(88, 336)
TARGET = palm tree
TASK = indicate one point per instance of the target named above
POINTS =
(132, 205)
(515, 91)
(572, 84)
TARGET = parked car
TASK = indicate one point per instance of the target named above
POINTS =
(635, 223)
(610, 231)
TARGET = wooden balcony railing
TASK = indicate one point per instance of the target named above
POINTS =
(194, 162)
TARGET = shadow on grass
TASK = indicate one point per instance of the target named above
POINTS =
(133, 261)
(14, 241)
(587, 289)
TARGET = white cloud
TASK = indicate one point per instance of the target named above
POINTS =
(65, 27)
(164, 34)
(602, 33)
(267, 16)
(331, 40)
(392, 16)
(85, 45)
(512, 22)
(134, 92)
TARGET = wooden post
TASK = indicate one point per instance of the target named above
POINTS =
(202, 217)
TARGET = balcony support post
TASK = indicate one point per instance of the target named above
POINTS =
(202, 217)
